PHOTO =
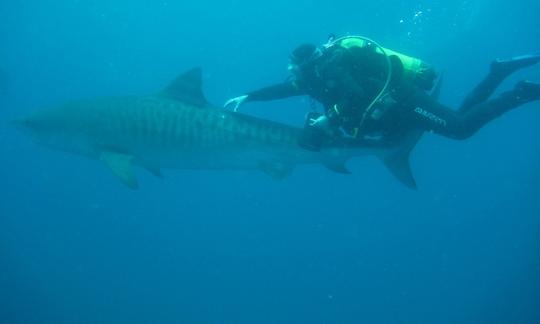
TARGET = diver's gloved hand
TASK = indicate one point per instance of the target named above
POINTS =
(322, 123)
(236, 102)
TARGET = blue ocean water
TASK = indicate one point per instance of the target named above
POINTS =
(238, 247)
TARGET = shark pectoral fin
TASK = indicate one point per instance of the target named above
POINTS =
(121, 166)
(398, 161)
(276, 169)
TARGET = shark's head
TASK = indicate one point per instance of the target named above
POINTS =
(34, 126)
(49, 128)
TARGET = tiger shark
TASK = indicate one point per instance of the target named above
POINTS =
(176, 128)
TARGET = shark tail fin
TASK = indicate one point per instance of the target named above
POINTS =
(398, 161)
(436, 92)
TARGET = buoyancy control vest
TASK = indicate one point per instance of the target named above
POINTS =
(415, 70)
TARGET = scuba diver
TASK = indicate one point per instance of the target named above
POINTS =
(370, 92)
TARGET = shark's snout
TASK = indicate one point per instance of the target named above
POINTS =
(19, 123)
(23, 124)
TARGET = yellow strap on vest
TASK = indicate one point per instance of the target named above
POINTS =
(336, 109)
(412, 67)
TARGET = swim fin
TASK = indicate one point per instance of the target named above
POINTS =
(507, 67)
(528, 91)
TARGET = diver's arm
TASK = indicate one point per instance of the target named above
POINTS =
(278, 91)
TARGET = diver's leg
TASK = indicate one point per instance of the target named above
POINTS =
(499, 70)
(430, 115)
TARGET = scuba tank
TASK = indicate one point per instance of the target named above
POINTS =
(414, 70)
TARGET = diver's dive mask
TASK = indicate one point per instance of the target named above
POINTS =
(300, 59)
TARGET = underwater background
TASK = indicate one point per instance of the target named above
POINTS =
(76, 246)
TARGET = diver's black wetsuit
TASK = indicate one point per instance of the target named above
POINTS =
(342, 79)
(419, 111)
(347, 78)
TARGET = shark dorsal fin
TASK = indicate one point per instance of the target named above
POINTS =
(187, 88)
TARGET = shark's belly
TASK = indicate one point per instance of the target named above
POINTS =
(217, 157)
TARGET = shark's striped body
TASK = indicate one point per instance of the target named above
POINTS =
(178, 129)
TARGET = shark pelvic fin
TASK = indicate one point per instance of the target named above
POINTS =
(155, 171)
(398, 161)
(337, 166)
(276, 169)
(187, 88)
(121, 166)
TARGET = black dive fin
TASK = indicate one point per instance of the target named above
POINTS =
(275, 169)
(398, 161)
(187, 88)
